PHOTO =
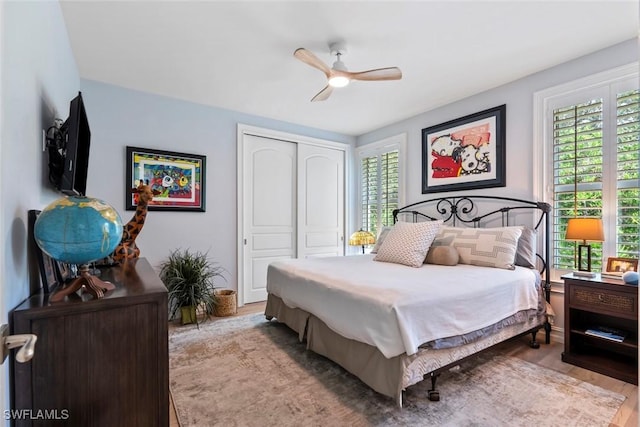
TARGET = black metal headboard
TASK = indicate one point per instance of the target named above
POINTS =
(488, 211)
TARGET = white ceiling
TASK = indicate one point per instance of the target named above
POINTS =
(239, 55)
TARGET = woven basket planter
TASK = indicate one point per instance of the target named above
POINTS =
(225, 303)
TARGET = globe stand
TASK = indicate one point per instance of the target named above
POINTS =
(91, 284)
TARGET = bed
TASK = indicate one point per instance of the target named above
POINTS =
(393, 322)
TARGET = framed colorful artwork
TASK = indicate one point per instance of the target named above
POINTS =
(178, 177)
(466, 153)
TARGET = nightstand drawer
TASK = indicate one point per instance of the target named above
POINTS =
(605, 300)
(609, 301)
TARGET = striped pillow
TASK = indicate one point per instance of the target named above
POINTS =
(487, 247)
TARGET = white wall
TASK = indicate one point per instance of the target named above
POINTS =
(38, 79)
(518, 96)
(120, 117)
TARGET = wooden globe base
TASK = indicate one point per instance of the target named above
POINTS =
(91, 284)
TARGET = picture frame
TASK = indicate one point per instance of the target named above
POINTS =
(466, 153)
(618, 266)
(180, 178)
(50, 275)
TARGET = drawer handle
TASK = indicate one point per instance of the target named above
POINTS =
(600, 298)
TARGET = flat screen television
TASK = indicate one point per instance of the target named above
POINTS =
(69, 151)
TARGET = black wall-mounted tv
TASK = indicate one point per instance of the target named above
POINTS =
(69, 151)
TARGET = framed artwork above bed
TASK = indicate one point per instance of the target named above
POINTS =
(465, 153)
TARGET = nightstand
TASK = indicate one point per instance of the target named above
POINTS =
(601, 303)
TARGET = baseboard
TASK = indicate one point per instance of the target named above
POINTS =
(557, 334)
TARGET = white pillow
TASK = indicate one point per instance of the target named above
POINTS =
(383, 235)
(526, 251)
(488, 247)
(408, 243)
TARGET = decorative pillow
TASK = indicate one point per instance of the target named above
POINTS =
(488, 247)
(440, 240)
(526, 251)
(442, 255)
(408, 243)
(383, 234)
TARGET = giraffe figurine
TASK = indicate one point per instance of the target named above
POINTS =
(127, 248)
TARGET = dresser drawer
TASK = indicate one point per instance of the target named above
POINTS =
(604, 300)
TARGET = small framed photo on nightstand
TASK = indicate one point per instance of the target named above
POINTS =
(616, 267)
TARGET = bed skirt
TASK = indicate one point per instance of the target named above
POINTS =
(386, 376)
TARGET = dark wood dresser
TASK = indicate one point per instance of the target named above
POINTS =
(101, 362)
(597, 305)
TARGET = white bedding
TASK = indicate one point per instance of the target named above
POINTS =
(397, 308)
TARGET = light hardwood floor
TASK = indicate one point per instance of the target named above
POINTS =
(547, 356)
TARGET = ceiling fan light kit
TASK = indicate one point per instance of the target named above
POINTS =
(338, 75)
(338, 81)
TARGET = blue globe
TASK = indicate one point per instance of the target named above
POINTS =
(78, 230)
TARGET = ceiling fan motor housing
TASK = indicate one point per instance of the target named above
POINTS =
(338, 48)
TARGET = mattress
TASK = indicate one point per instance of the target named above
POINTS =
(396, 308)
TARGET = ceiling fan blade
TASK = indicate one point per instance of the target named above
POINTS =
(309, 58)
(323, 94)
(392, 73)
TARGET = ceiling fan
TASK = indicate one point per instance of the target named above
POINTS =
(338, 75)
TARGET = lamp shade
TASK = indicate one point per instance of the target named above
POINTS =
(361, 237)
(585, 229)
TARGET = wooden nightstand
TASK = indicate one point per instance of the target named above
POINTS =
(590, 303)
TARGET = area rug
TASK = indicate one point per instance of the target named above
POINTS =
(245, 371)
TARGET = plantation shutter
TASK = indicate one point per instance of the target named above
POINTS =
(369, 192)
(595, 174)
(379, 189)
(628, 174)
(388, 186)
(577, 174)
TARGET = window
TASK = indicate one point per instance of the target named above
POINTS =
(380, 180)
(591, 152)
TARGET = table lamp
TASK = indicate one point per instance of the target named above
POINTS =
(584, 229)
(362, 238)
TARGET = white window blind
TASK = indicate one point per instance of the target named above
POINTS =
(596, 174)
(380, 181)
(628, 174)
(379, 190)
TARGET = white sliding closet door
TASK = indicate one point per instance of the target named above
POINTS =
(270, 208)
(320, 201)
(292, 206)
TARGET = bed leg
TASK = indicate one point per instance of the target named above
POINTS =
(533, 343)
(547, 332)
(434, 395)
(268, 317)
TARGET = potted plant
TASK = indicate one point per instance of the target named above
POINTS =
(189, 278)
